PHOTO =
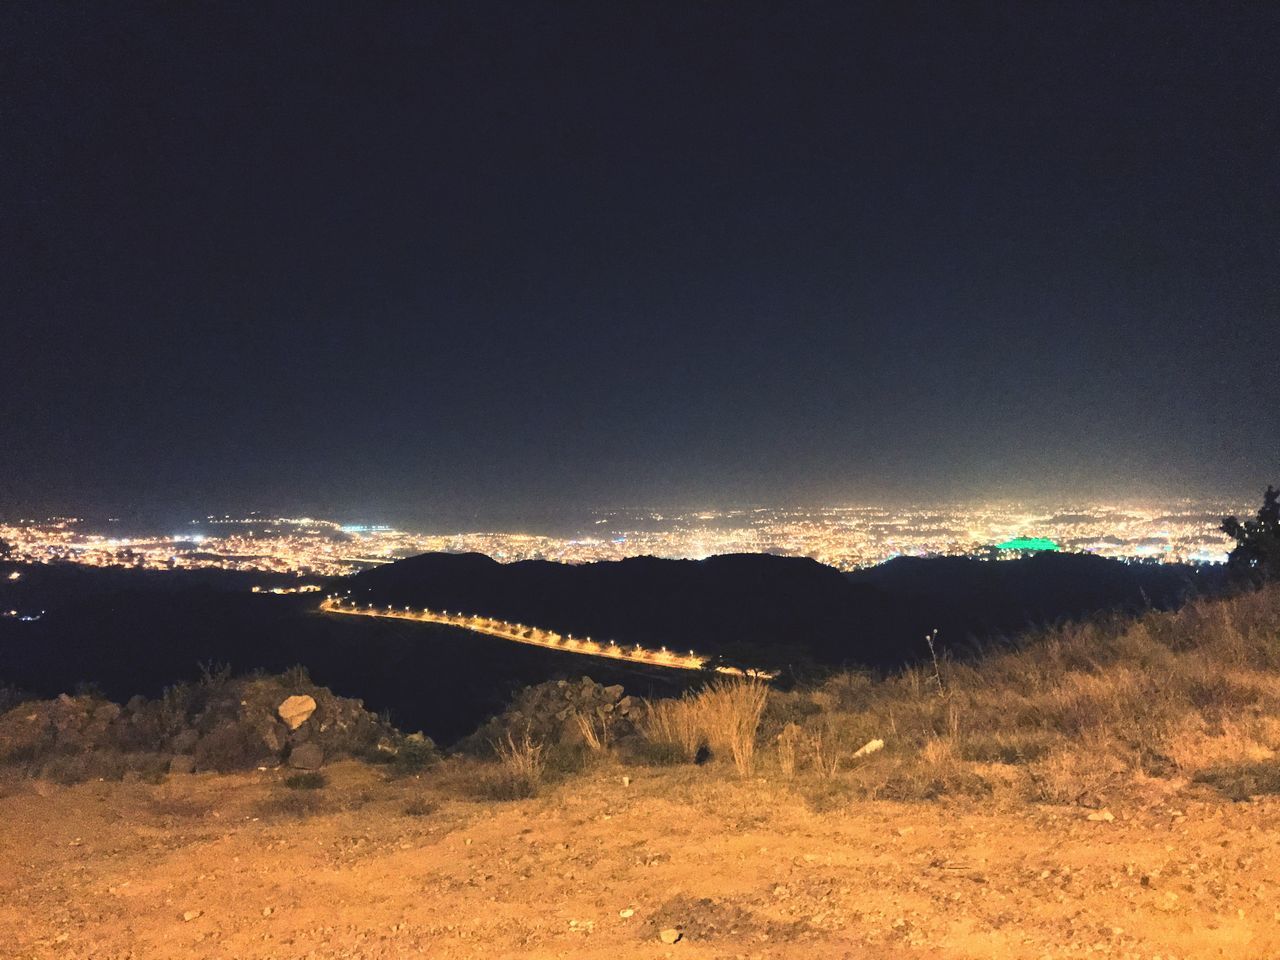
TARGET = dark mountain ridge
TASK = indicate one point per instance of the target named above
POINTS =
(774, 611)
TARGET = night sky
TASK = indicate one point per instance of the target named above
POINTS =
(497, 261)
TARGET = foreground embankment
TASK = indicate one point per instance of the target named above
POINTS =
(242, 866)
(1107, 788)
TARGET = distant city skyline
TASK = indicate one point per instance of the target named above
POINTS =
(845, 537)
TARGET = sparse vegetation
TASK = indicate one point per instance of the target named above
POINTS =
(311, 780)
(291, 805)
(1072, 713)
(1242, 781)
(521, 764)
(672, 725)
(728, 713)
(420, 807)
(594, 728)
(724, 716)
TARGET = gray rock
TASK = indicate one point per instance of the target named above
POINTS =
(306, 756)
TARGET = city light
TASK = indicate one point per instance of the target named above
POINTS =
(848, 538)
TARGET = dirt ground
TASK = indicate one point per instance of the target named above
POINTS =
(212, 866)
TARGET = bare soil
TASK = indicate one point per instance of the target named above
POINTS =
(239, 866)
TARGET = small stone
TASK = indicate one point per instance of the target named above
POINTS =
(627, 913)
(1101, 816)
(190, 915)
(296, 710)
(267, 911)
(626, 781)
(670, 935)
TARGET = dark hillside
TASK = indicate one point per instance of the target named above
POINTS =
(773, 611)
(966, 597)
(130, 632)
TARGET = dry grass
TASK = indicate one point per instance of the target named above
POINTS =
(595, 730)
(674, 724)
(522, 764)
(724, 716)
(788, 742)
(728, 713)
(1074, 713)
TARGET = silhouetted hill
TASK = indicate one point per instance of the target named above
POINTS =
(774, 611)
(964, 597)
(740, 605)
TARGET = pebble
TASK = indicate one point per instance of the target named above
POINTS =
(627, 913)
(1101, 816)
(670, 935)
(190, 915)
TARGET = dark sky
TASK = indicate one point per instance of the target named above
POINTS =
(507, 259)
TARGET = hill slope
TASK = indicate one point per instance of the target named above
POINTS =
(772, 611)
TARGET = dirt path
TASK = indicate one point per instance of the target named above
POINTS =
(744, 870)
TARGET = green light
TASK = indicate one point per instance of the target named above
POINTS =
(1027, 543)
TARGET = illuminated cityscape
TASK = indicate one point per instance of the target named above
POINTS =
(843, 537)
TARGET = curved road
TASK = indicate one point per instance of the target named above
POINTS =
(520, 633)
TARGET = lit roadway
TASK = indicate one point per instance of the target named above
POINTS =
(519, 633)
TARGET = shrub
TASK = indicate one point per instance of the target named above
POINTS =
(290, 805)
(229, 747)
(11, 697)
(522, 764)
(672, 726)
(659, 753)
(311, 780)
(1243, 781)
(728, 713)
(787, 742)
(594, 728)
(566, 759)
(420, 807)
(412, 755)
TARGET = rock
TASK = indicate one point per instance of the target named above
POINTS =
(1101, 816)
(273, 737)
(614, 692)
(182, 763)
(670, 935)
(627, 913)
(190, 915)
(306, 756)
(296, 710)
